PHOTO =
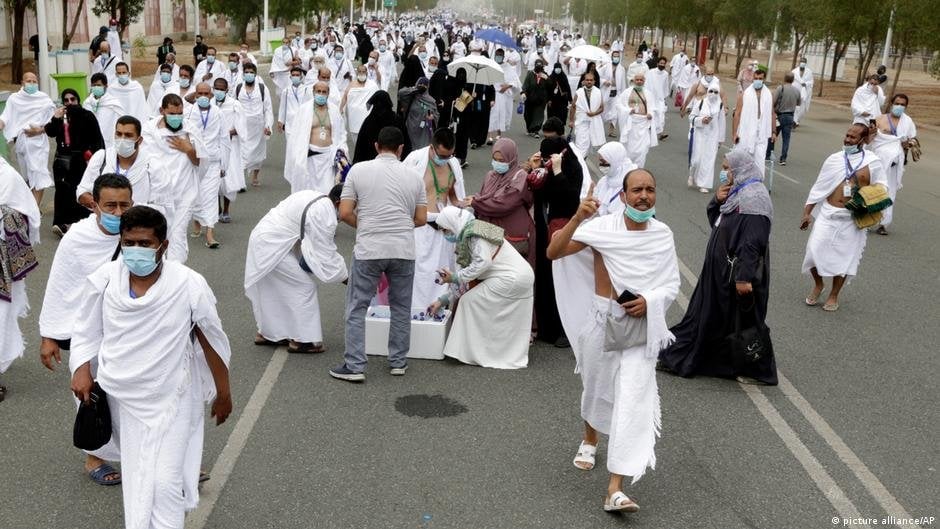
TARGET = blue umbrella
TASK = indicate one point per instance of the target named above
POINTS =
(497, 37)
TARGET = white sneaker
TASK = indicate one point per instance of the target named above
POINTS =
(398, 371)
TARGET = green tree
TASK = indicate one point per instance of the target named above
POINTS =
(18, 7)
(241, 12)
(916, 26)
(125, 11)
(68, 30)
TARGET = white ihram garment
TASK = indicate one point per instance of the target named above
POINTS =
(705, 139)
(259, 114)
(132, 98)
(637, 132)
(756, 124)
(620, 396)
(155, 374)
(283, 296)
(588, 131)
(888, 148)
(432, 251)
(208, 123)
(806, 92)
(493, 319)
(107, 110)
(24, 111)
(835, 244)
(305, 171)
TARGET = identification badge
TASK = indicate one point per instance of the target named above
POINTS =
(847, 190)
(322, 134)
(422, 125)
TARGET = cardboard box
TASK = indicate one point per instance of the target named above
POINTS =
(427, 337)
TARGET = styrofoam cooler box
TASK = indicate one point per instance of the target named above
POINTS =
(427, 337)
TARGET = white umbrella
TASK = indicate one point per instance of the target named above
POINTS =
(484, 70)
(589, 53)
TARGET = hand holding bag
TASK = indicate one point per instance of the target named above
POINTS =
(93, 421)
(748, 345)
(623, 332)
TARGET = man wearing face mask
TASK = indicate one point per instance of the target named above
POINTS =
(444, 186)
(281, 62)
(170, 60)
(291, 251)
(233, 128)
(657, 88)
(353, 103)
(387, 65)
(835, 244)
(171, 139)
(254, 97)
(210, 69)
(106, 62)
(130, 93)
(746, 76)
(504, 109)
(637, 66)
(105, 107)
(374, 72)
(233, 73)
(868, 99)
(293, 98)
(156, 377)
(86, 247)
(314, 137)
(614, 81)
(151, 184)
(207, 122)
(77, 136)
(637, 130)
(891, 143)
(341, 69)
(199, 50)
(754, 119)
(802, 81)
(162, 85)
(187, 85)
(634, 281)
(706, 132)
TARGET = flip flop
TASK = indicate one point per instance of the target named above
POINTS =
(195, 235)
(213, 245)
(104, 470)
(265, 341)
(831, 307)
(204, 476)
(585, 454)
(813, 301)
(305, 348)
(620, 502)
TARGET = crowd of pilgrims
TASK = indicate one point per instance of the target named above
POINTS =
(198, 138)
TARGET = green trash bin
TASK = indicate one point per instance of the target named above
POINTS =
(4, 95)
(77, 81)
(596, 40)
(275, 44)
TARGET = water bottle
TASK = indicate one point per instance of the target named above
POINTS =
(426, 521)
(521, 108)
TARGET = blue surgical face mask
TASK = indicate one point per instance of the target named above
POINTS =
(723, 177)
(382, 48)
(639, 216)
(499, 59)
(450, 237)
(320, 99)
(124, 78)
(174, 121)
(897, 110)
(615, 60)
(423, 55)
(758, 84)
(104, 56)
(30, 88)
(210, 59)
(249, 78)
(500, 167)
(184, 82)
(338, 55)
(141, 262)
(203, 101)
(220, 95)
(97, 91)
(557, 71)
(232, 65)
(110, 223)
(850, 149)
(165, 77)
(296, 80)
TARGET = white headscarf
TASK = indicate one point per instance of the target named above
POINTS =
(608, 188)
(454, 219)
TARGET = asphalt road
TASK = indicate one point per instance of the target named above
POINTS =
(853, 431)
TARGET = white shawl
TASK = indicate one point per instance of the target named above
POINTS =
(298, 140)
(15, 194)
(132, 99)
(751, 129)
(833, 173)
(418, 161)
(643, 262)
(23, 111)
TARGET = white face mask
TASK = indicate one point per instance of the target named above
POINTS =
(125, 148)
(604, 170)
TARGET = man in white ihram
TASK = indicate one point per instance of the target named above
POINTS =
(153, 328)
(635, 279)
(754, 122)
(289, 252)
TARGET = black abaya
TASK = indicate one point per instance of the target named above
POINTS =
(699, 348)
(381, 115)
(84, 140)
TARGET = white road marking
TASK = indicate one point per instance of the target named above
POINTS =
(223, 466)
(816, 471)
(881, 494)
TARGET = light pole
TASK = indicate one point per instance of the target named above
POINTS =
(43, 36)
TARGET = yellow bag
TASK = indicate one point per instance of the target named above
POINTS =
(463, 101)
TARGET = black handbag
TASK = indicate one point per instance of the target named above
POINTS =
(93, 421)
(62, 162)
(749, 345)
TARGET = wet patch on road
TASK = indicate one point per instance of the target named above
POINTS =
(428, 406)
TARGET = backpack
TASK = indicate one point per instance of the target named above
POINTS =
(238, 90)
